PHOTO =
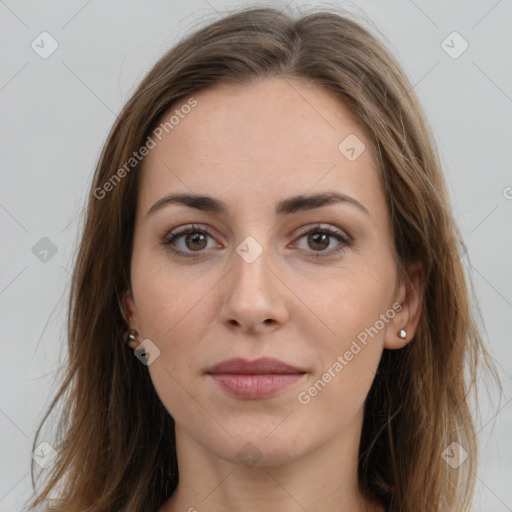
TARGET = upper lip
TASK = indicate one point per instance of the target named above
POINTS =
(263, 365)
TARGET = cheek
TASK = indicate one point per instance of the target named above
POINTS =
(166, 298)
(356, 303)
(176, 322)
(169, 309)
(348, 359)
(356, 312)
(175, 311)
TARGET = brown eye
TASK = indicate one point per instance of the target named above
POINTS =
(319, 238)
(196, 241)
(185, 242)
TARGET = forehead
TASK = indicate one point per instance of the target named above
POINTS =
(269, 136)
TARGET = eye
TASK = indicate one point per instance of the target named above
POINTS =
(195, 239)
(319, 238)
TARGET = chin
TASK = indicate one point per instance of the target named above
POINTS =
(264, 443)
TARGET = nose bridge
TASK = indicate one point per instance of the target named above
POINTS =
(251, 277)
(254, 296)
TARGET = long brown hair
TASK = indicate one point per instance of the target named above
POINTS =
(115, 441)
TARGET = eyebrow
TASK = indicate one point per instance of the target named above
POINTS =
(285, 207)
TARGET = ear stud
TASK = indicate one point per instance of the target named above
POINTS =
(130, 336)
(402, 334)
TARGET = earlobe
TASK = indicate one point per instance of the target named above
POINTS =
(402, 328)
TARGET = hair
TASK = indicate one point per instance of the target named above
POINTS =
(115, 441)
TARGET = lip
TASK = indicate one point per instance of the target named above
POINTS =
(254, 379)
(263, 365)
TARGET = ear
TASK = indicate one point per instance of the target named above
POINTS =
(409, 294)
(129, 311)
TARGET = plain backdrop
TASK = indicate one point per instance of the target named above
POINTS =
(57, 111)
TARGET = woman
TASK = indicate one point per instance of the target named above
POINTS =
(269, 233)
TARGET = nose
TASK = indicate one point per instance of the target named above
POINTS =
(254, 296)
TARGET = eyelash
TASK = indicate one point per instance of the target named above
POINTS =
(317, 228)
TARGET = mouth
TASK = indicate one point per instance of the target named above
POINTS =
(254, 379)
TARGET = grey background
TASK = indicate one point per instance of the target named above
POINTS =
(55, 116)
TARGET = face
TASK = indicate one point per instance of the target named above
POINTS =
(264, 273)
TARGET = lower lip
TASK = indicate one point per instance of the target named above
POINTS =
(255, 386)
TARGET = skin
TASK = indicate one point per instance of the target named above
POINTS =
(251, 147)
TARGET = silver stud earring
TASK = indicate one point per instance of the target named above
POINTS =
(402, 334)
